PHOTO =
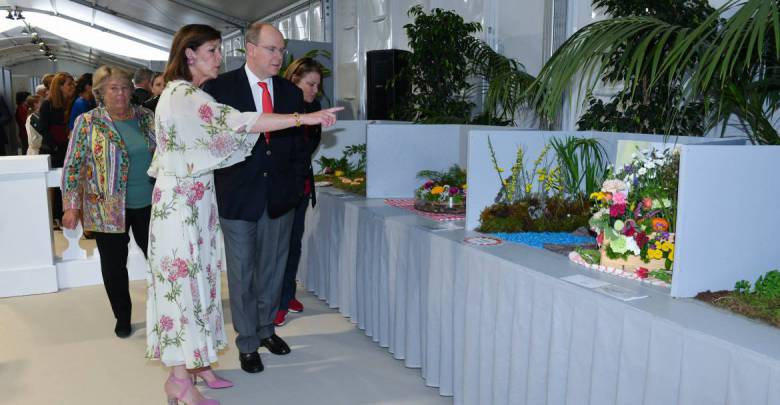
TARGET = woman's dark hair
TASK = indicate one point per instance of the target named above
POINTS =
(21, 96)
(82, 83)
(301, 67)
(189, 36)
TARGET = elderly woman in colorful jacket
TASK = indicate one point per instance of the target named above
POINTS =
(104, 182)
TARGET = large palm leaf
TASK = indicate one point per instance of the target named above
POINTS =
(715, 61)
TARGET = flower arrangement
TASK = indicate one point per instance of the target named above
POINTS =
(548, 194)
(634, 214)
(443, 191)
(347, 172)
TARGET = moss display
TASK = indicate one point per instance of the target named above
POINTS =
(555, 215)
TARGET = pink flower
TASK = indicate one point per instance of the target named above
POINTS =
(195, 193)
(156, 195)
(183, 320)
(600, 238)
(454, 190)
(428, 185)
(180, 265)
(222, 145)
(617, 210)
(619, 198)
(213, 218)
(642, 272)
(213, 292)
(647, 202)
(156, 352)
(196, 354)
(205, 113)
(166, 323)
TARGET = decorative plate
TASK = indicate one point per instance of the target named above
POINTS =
(483, 240)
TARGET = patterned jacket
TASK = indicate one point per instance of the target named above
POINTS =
(94, 177)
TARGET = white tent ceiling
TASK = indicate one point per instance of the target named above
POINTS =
(151, 23)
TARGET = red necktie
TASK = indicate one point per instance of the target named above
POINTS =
(268, 106)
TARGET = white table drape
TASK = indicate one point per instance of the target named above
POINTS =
(495, 325)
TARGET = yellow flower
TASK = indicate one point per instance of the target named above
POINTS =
(671, 255)
(528, 188)
(338, 173)
(655, 254)
(597, 195)
(667, 246)
(464, 186)
(437, 190)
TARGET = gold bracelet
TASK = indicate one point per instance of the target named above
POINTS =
(298, 121)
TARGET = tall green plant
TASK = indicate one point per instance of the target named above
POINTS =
(730, 64)
(438, 67)
(583, 163)
(449, 67)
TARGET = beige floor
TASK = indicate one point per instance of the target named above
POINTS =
(60, 349)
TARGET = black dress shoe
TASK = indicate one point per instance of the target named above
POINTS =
(123, 329)
(250, 362)
(275, 345)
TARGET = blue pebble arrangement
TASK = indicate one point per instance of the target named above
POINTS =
(539, 239)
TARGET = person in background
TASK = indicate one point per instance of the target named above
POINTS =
(34, 138)
(85, 100)
(185, 321)
(46, 81)
(53, 127)
(22, 112)
(42, 91)
(306, 73)
(52, 124)
(105, 184)
(5, 118)
(158, 84)
(142, 80)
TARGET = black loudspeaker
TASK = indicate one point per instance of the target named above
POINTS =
(386, 89)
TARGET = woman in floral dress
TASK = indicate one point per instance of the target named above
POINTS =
(195, 135)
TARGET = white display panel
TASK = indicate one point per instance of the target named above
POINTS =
(727, 218)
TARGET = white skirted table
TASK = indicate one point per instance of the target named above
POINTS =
(496, 325)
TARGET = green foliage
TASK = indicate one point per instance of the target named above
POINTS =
(642, 109)
(591, 256)
(732, 65)
(347, 163)
(454, 176)
(449, 67)
(520, 184)
(762, 303)
(583, 163)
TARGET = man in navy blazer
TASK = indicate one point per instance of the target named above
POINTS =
(257, 198)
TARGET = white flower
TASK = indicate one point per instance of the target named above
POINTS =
(642, 171)
(619, 225)
(613, 186)
(650, 165)
(632, 246)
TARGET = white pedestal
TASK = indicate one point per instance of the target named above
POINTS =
(27, 264)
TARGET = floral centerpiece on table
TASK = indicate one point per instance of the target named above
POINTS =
(347, 172)
(443, 192)
(635, 212)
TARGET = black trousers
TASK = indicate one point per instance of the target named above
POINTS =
(294, 257)
(113, 259)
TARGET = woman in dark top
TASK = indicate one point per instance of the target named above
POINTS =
(306, 73)
(53, 127)
(53, 121)
(22, 112)
(85, 100)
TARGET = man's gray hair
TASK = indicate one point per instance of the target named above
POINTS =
(141, 75)
(253, 32)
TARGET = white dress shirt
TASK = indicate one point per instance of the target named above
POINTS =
(257, 91)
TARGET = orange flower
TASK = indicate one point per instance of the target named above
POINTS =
(660, 225)
(437, 190)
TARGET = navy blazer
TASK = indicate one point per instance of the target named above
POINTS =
(272, 177)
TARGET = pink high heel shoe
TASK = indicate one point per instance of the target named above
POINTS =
(178, 388)
(216, 383)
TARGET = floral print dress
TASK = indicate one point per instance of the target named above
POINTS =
(195, 135)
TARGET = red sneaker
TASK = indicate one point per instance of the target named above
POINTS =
(281, 317)
(295, 306)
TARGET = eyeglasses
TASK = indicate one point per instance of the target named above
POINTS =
(272, 49)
